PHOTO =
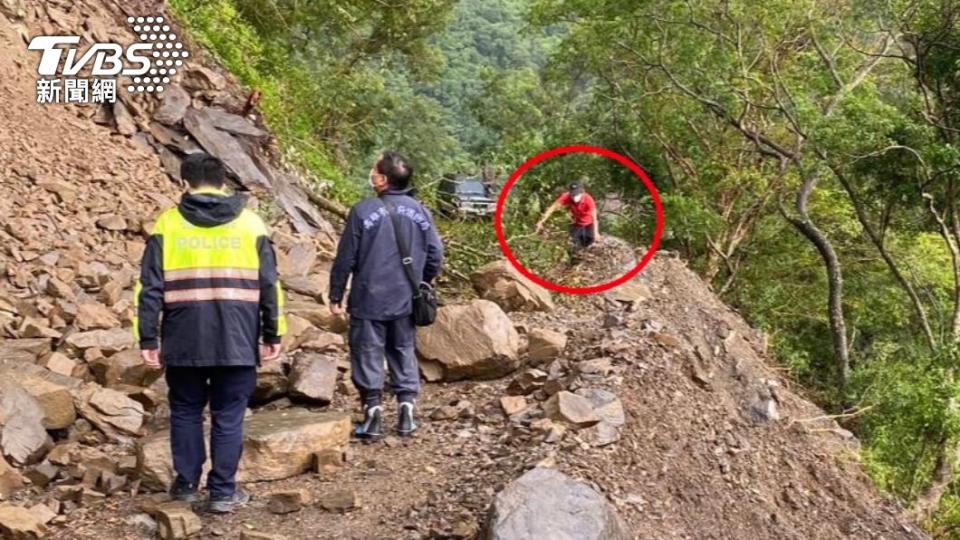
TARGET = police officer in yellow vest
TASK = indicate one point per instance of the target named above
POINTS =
(208, 283)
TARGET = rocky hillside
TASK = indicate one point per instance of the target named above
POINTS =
(647, 412)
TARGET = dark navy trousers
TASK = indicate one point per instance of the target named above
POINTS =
(227, 389)
(370, 341)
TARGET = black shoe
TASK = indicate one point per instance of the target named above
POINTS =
(228, 504)
(183, 493)
(406, 425)
(372, 427)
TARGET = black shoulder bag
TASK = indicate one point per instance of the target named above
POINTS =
(424, 297)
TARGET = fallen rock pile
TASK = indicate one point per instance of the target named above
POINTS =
(75, 398)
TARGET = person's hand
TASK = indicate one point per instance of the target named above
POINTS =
(336, 309)
(151, 358)
(538, 228)
(596, 237)
(270, 351)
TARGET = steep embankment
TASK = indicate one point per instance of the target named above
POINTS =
(712, 443)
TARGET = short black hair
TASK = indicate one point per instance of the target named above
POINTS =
(396, 168)
(202, 169)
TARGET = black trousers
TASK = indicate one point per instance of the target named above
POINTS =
(227, 390)
(370, 342)
(581, 235)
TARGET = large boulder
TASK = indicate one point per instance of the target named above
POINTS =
(277, 444)
(55, 399)
(313, 378)
(314, 285)
(125, 367)
(52, 391)
(20, 523)
(475, 340)
(280, 444)
(500, 282)
(111, 411)
(11, 480)
(23, 438)
(223, 145)
(545, 503)
(271, 381)
(298, 260)
(108, 341)
(23, 350)
(318, 315)
(94, 315)
(173, 105)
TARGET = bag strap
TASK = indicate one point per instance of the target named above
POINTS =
(405, 259)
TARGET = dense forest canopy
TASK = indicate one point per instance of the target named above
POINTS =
(806, 151)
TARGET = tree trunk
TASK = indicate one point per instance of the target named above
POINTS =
(943, 474)
(885, 254)
(838, 326)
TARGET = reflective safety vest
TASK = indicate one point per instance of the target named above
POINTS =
(212, 291)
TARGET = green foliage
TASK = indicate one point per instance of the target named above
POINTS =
(286, 88)
(909, 395)
(685, 89)
(333, 76)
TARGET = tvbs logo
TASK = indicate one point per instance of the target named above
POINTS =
(147, 64)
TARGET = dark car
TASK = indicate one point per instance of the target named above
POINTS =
(464, 196)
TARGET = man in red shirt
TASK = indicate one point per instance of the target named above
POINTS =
(585, 228)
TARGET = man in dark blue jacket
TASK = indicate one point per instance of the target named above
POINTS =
(209, 269)
(381, 298)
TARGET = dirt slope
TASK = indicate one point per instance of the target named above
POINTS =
(715, 444)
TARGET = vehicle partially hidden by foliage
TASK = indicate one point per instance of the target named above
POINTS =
(463, 196)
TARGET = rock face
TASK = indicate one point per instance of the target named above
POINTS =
(313, 378)
(545, 345)
(475, 340)
(277, 444)
(500, 282)
(22, 435)
(545, 503)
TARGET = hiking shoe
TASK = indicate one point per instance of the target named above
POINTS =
(372, 427)
(183, 493)
(406, 425)
(229, 504)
